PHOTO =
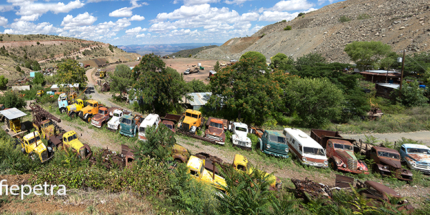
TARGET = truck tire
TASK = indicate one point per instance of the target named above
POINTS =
(333, 164)
(62, 110)
(260, 144)
(72, 115)
(88, 119)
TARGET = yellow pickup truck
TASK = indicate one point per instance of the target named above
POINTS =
(70, 140)
(88, 112)
(74, 109)
(196, 168)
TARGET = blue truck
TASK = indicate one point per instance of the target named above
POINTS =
(62, 103)
(416, 156)
(274, 143)
(128, 126)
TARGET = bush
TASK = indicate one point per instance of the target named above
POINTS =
(284, 20)
(363, 16)
(344, 19)
(410, 95)
(287, 28)
(3, 81)
(300, 14)
(11, 99)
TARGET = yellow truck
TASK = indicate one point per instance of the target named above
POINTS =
(33, 146)
(70, 140)
(192, 120)
(90, 110)
(40, 93)
(74, 109)
(196, 168)
(240, 163)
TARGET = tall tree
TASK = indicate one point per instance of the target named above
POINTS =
(121, 78)
(216, 67)
(282, 62)
(158, 86)
(366, 53)
(316, 101)
(245, 90)
(38, 78)
(311, 59)
(159, 141)
(410, 95)
(70, 72)
(3, 81)
(257, 57)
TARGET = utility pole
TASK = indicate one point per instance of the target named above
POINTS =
(403, 68)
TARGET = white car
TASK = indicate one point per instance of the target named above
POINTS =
(240, 135)
(187, 72)
(150, 120)
(113, 123)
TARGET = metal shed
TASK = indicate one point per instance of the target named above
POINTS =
(12, 113)
(198, 100)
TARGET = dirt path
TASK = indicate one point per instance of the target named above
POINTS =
(421, 136)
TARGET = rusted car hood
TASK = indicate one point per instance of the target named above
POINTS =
(391, 162)
(347, 155)
(215, 131)
(98, 117)
(420, 157)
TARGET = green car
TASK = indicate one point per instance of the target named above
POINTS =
(127, 126)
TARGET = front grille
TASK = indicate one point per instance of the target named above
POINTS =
(277, 151)
(352, 164)
(242, 143)
(185, 127)
(214, 137)
(423, 166)
(112, 126)
(44, 155)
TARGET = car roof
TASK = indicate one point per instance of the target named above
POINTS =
(277, 133)
(409, 145)
(31, 135)
(194, 163)
(117, 111)
(149, 120)
(70, 133)
(193, 111)
(302, 138)
(344, 142)
(240, 124)
(378, 148)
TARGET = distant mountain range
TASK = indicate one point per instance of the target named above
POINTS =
(162, 49)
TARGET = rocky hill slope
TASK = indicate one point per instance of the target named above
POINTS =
(399, 23)
(48, 50)
(188, 52)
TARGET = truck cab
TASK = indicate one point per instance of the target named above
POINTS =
(90, 110)
(274, 143)
(308, 151)
(240, 163)
(416, 156)
(150, 120)
(114, 122)
(198, 172)
(342, 157)
(33, 145)
(70, 140)
(387, 162)
(101, 117)
(74, 108)
(63, 104)
(215, 130)
(47, 128)
(240, 136)
(193, 119)
(128, 126)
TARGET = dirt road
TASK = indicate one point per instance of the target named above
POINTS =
(420, 136)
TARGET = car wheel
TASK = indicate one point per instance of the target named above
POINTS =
(88, 119)
(333, 165)
(62, 110)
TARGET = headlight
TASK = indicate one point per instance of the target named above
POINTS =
(286, 150)
(131, 130)
(268, 146)
(385, 167)
(325, 162)
(359, 168)
(344, 165)
(304, 159)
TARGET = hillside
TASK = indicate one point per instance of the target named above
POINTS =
(401, 24)
(48, 50)
(188, 52)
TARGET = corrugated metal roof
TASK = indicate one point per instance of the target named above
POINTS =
(199, 98)
(12, 113)
(394, 86)
(381, 71)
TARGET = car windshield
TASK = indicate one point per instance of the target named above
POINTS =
(187, 114)
(241, 129)
(142, 130)
(31, 141)
(418, 151)
(194, 116)
(277, 139)
(169, 126)
(341, 146)
(126, 121)
(72, 137)
(388, 155)
(101, 112)
(216, 125)
(116, 114)
(48, 124)
(313, 151)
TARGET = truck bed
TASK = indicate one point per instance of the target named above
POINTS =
(322, 136)
(172, 117)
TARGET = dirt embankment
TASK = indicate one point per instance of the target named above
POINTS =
(401, 24)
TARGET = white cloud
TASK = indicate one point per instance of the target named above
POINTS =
(23, 27)
(161, 27)
(238, 2)
(292, 5)
(79, 20)
(277, 16)
(137, 18)
(30, 11)
(185, 11)
(195, 2)
(135, 30)
(140, 35)
(126, 11)
(3, 21)
(6, 8)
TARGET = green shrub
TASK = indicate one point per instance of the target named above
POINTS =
(300, 14)
(363, 16)
(287, 28)
(344, 18)
(284, 20)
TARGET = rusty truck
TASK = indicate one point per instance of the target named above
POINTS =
(103, 116)
(216, 129)
(43, 122)
(70, 141)
(170, 121)
(340, 151)
(387, 163)
(90, 110)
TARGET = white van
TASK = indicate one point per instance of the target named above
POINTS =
(307, 150)
(150, 120)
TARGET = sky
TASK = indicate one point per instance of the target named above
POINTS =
(126, 22)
